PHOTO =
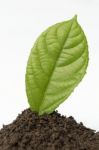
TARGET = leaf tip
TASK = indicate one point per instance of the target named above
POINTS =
(75, 17)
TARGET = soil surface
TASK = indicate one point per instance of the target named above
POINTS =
(48, 132)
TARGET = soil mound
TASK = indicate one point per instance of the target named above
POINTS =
(48, 132)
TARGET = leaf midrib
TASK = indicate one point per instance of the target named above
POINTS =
(51, 74)
(86, 62)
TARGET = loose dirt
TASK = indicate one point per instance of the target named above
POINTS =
(48, 132)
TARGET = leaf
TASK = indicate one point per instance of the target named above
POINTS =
(56, 65)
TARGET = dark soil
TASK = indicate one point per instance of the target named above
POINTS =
(49, 132)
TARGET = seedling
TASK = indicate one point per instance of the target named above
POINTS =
(57, 63)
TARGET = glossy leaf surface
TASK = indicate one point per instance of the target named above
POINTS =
(56, 65)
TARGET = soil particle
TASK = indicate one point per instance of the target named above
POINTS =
(48, 132)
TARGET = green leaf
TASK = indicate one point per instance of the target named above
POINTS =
(56, 65)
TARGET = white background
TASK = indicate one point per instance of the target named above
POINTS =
(21, 21)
